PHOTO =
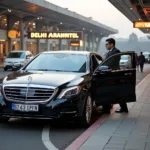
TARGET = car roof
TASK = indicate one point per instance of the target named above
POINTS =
(71, 52)
(14, 51)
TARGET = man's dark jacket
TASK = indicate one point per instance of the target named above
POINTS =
(114, 62)
(141, 59)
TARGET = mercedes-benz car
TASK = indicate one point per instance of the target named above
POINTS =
(66, 84)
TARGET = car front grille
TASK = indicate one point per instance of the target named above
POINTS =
(28, 94)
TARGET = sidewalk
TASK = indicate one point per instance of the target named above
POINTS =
(125, 131)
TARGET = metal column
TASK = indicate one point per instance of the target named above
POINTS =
(22, 39)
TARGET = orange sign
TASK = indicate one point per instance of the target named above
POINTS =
(76, 43)
(13, 34)
(140, 24)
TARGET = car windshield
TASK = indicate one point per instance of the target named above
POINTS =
(124, 57)
(16, 55)
(59, 62)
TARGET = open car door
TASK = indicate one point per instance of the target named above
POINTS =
(114, 81)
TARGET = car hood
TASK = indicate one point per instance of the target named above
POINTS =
(55, 79)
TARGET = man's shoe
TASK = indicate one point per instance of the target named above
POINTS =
(121, 111)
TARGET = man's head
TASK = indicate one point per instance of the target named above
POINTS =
(110, 43)
(141, 53)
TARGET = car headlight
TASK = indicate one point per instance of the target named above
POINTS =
(66, 93)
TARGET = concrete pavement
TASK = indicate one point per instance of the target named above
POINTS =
(125, 131)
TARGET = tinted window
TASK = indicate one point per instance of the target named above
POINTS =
(16, 55)
(59, 62)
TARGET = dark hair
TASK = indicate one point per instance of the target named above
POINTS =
(111, 41)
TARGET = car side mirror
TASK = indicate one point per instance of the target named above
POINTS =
(104, 68)
(27, 57)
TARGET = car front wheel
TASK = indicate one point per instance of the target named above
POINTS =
(5, 69)
(87, 112)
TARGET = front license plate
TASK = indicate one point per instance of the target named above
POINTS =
(25, 108)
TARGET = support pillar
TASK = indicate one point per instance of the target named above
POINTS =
(38, 29)
(84, 41)
(98, 44)
(60, 44)
(93, 41)
(89, 43)
(10, 22)
(22, 39)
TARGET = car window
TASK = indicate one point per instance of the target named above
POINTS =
(16, 55)
(119, 62)
(59, 62)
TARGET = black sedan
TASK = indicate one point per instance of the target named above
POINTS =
(66, 84)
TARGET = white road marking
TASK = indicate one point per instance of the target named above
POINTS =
(46, 140)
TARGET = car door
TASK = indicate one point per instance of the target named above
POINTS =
(113, 84)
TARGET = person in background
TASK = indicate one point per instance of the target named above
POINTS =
(137, 61)
(141, 61)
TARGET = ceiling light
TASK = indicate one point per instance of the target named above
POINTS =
(139, 19)
(131, 8)
(61, 23)
(38, 18)
(90, 30)
(5, 19)
(83, 28)
(34, 24)
(29, 23)
(5, 24)
(9, 10)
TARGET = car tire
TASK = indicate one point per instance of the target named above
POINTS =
(86, 117)
(4, 119)
(5, 69)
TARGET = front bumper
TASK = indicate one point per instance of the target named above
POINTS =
(53, 110)
(13, 66)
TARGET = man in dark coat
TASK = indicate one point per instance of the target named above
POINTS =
(141, 61)
(113, 63)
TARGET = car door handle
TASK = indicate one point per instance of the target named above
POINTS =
(128, 74)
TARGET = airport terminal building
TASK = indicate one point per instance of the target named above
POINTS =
(18, 18)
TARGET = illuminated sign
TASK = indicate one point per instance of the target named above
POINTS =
(140, 24)
(76, 43)
(13, 34)
(55, 35)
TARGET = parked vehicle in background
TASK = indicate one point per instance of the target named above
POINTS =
(147, 56)
(17, 59)
(125, 62)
